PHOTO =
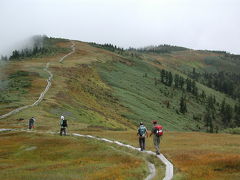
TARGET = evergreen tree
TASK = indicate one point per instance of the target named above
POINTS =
(176, 80)
(194, 74)
(15, 55)
(194, 89)
(237, 114)
(162, 75)
(210, 104)
(227, 115)
(170, 79)
(155, 81)
(166, 78)
(189, 85)
(208, 119)
(203, 95)
(181, 82)
(183, 105)
(222, 107)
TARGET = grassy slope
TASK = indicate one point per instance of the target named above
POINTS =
(91, 105)
(78, 93)
(147, 101)
(139, 93)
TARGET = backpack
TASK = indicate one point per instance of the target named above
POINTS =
(31, 121)
(141, 130)
(158, 130)
(64, 123)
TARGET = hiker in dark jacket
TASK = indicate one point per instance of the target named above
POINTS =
(31, 123)
(64, 125)
(157, 132)
(142, 133)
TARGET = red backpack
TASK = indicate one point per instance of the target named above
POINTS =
(158, 130)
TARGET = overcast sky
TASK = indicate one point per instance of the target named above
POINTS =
(197, 24)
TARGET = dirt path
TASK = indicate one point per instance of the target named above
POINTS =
(49, 80)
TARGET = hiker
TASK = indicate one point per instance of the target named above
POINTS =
(157, 132)
(63, 124)
(142, 133)
(31, 123)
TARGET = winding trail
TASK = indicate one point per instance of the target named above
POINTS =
(49, 83)
(151, 167)
(73, 51)
(152, 171)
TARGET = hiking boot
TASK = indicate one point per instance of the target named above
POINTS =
(157, 153)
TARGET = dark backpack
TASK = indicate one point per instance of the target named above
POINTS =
(141, 130)
(158, 130)
(31, 121)
(64, 123)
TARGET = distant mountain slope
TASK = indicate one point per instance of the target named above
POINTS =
(139, 85)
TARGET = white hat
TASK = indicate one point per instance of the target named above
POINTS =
(62, 117)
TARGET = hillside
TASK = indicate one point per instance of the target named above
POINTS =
(107, 91)
(118, 88)
(140, 80)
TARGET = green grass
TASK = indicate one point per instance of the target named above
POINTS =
(16, 86)
(144, 100)
(147, 101)
(218, 63)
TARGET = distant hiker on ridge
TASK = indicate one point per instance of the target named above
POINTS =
(63, 124)
(31, 123)
(157, 130)
(142, 133)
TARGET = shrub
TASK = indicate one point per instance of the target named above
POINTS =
(233, 130)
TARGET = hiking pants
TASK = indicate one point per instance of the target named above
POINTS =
(63, 130)
(156, 142)
(142, 143)
(31, 125)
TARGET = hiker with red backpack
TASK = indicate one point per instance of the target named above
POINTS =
(142, 133)
(157, 132)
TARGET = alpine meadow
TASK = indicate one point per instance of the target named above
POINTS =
(105, 91)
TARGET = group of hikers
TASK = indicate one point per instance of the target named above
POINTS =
(63, 125)
(157, 132)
